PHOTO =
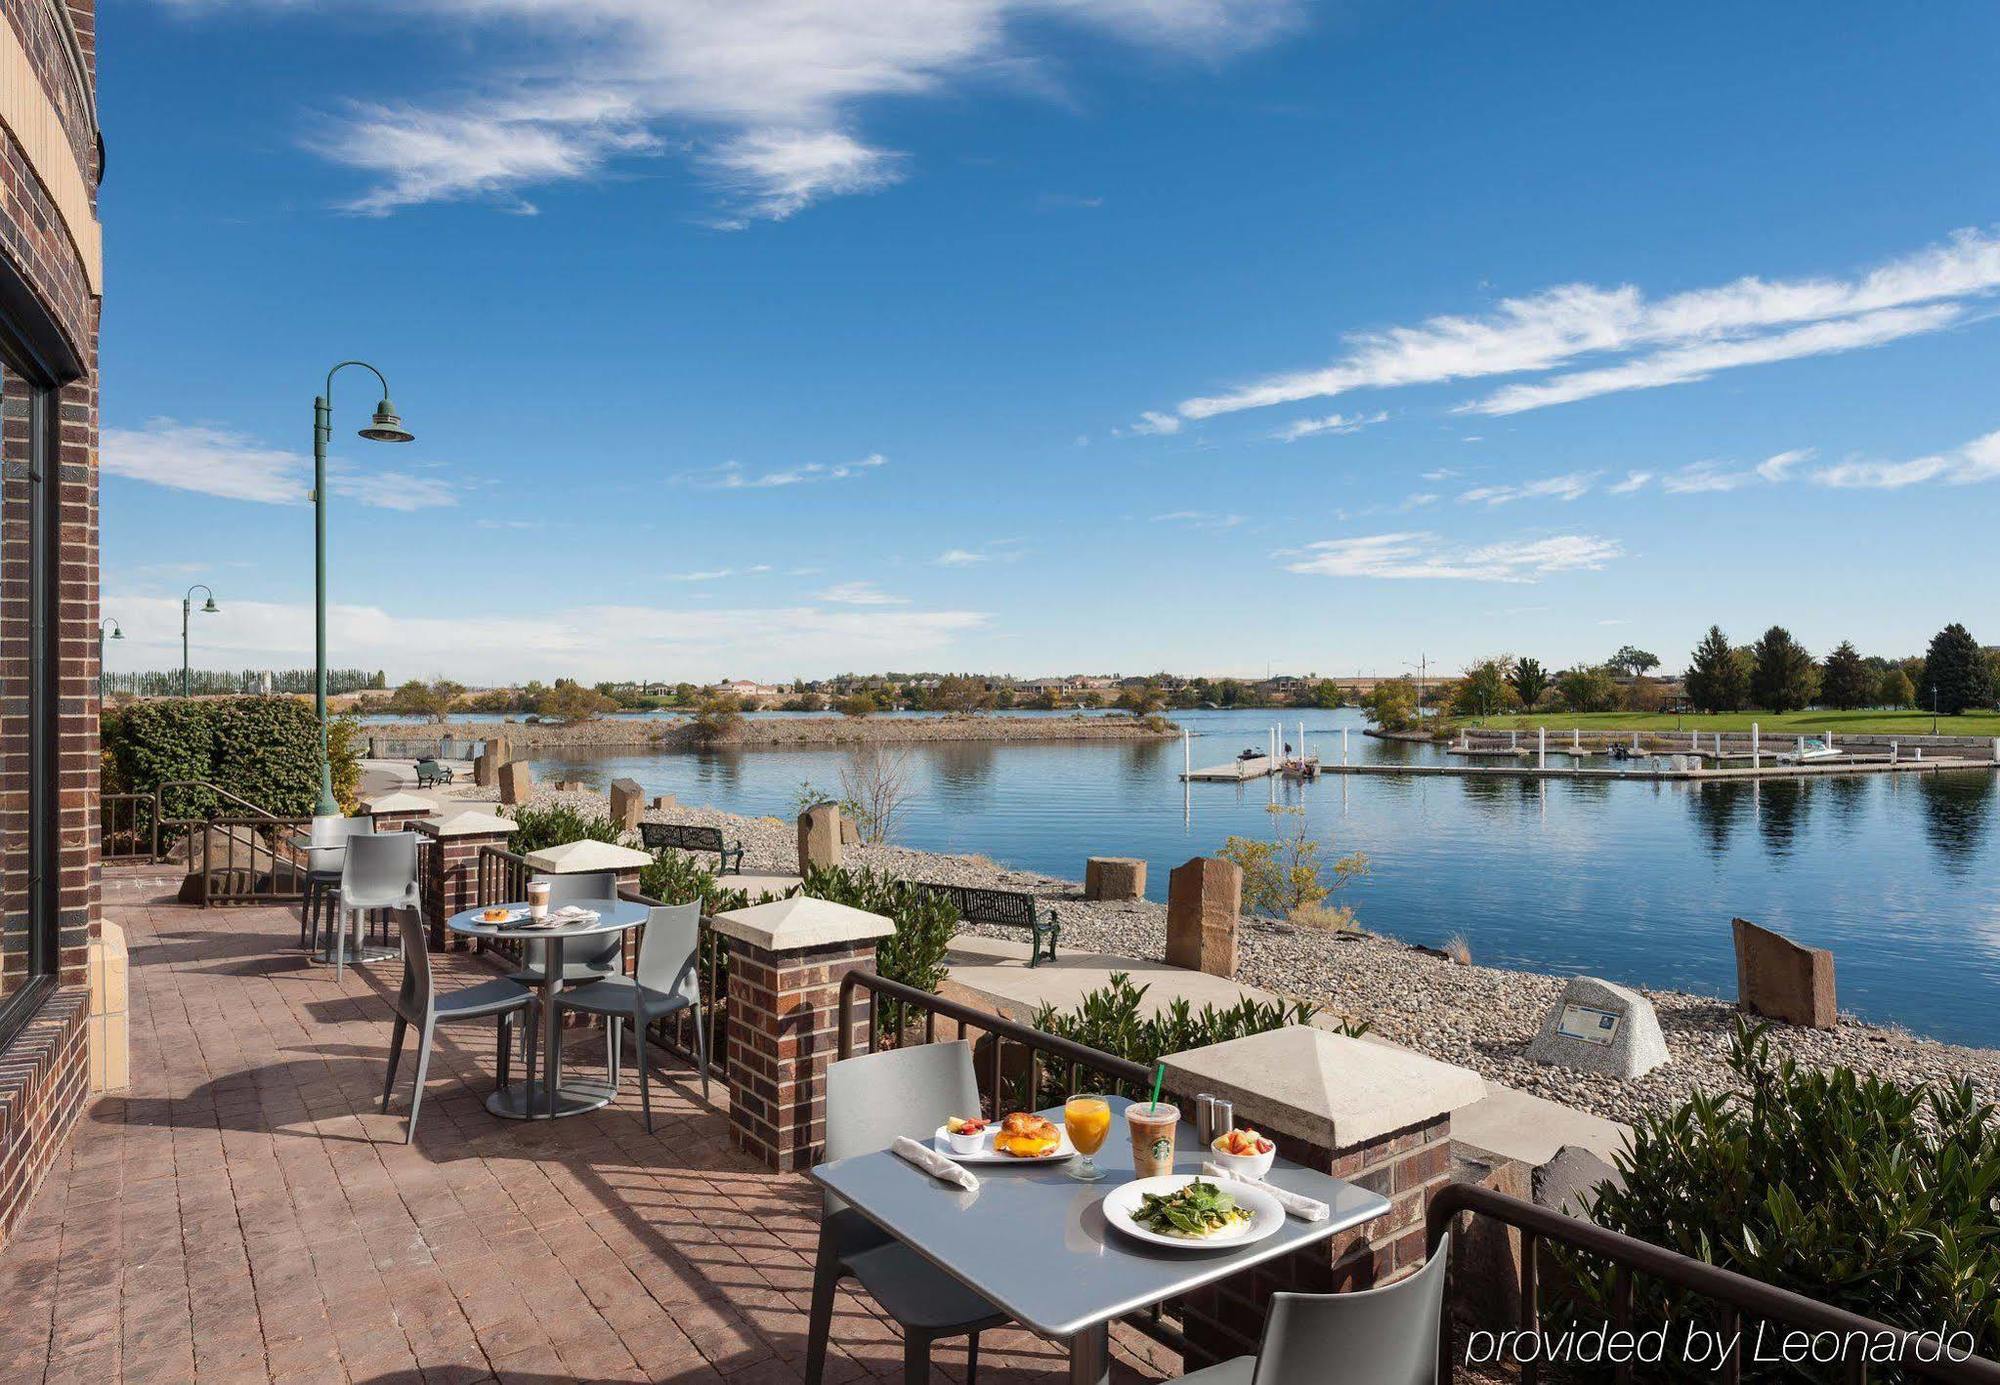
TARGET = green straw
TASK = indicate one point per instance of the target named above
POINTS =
(1159, 1076)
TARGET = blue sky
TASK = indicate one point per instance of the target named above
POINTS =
(766, 339)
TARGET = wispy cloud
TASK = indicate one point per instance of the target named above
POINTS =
(1683, 337)
(1150, 425)
(1976, 461)
(733, 476)
(1426, 556)
(1570, 486)
(1710, 477)
(216, 461)
(1634, 481)
(1199, 519)
(862, 593)
(993, 551)
(718, 574)
(960, 557)
(1332, 423)
(764, 97)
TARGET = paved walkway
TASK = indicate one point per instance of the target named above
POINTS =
(244, 1214)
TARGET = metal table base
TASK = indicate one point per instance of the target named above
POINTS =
(529, 1101)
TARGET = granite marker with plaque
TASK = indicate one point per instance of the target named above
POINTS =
(1598, 1027)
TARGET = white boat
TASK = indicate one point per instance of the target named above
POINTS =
(1811, 751)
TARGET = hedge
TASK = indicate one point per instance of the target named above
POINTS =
(264, 749)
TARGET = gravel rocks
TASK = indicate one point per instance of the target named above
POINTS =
(1479, 1017)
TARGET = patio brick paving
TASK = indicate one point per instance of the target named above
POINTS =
(243, 1213)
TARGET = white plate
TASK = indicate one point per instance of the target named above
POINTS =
(941, 1142)
(513, 916)
(1123, 1201)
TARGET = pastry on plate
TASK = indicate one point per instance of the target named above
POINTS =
(1027, 1136)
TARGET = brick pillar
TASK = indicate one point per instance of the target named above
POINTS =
(452, 882)
(393, 812)
(787, 960)
(1372, 1114)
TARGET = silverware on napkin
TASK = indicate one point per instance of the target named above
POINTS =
(1298, 1204)
(934, 1164)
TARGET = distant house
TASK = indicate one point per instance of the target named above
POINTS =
(744, 687)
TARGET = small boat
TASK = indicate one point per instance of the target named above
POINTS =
(1811, 751)
(1626, 752)
(1252, 755)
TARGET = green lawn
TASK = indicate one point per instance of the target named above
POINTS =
(1796, 723)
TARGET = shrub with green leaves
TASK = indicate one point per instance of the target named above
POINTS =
(925, 922)
(1849, 1190)
(264, 749)
(540, 827)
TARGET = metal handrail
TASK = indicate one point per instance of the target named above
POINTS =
(214, 789)
(1737, 1293)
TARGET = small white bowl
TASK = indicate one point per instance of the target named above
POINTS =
(968, 1142)
(1244, 1165)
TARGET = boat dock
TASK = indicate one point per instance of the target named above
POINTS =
(1662, 773)
(1236, 771)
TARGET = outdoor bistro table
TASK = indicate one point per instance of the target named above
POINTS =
(552, 1096)
(1036, 1242)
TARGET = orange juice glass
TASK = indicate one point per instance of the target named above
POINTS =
(1087, 1118)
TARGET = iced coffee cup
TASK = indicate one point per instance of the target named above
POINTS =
(1152, 1126)
(538, 899)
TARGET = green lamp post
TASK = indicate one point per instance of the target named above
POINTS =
(385, 427)
(208, 607)
(107, 624)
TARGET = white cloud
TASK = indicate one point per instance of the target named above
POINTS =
(1151, 425)
(1570, 486)
(960, 557)
(764, 96)
(1684, 337)
(1199, 519)
(1707, 477)
(1976, 461)
(1634, 481)
(731, 476)
(588, 642)
(216, 461)
(717, 574)
(1441, 474)
(1332, 423)
(862, 593)
(1411, 556)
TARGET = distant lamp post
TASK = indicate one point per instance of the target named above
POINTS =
(384, 427)
(1934, 709)
(107, 624)
(209, 608)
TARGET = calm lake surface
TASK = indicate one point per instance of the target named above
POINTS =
(1634, 882)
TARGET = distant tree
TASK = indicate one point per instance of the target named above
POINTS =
(1715, 677)
(1895, 689)
(1844, 679)
(1587, 689)
(1046, 700)
(1142, 699)
(1392, 706)
(716, 715)
(1529, 681)
(1326, 694)
(1483, 691)
(569, 700)
(1090, 697)
(1785, 677)
(1956, 674)
(858, 704)
(417, 698)
(1632, 661)
(959, 692)
(1644, 694)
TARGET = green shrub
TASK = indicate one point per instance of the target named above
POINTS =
(1114, 1020)
(1848, 1190)
(925, 922)
(264, 749)
(555, 824)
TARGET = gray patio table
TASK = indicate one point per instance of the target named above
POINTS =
(1035, 1241)
(552, 1096)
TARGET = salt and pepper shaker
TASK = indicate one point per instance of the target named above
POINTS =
(1204, 1119)
(1222, 1118)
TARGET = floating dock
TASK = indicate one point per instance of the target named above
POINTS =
(1236, 771)
(1666, 773)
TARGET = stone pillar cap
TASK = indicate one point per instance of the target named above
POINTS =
(787, 925)
(1324, 1088)
(397, 802)
(469, 822)
(573, 857)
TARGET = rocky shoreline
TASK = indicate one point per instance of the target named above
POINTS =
(1478, 1017)
(754, 733)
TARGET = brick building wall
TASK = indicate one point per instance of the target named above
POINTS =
(49, 272)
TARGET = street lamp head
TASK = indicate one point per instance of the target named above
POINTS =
(387, 427)
(209, 606)
(116, 633)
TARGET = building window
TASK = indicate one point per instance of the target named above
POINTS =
(27, 702)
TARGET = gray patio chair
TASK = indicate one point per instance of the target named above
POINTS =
(379, 872)
(870, 1100)
(326, 856)
(584, 960)
(1386, 1336)
(419, 1005)
(667, 981)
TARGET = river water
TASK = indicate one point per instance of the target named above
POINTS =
(1635, 882)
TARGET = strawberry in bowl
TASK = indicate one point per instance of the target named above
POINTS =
(1244, 1152)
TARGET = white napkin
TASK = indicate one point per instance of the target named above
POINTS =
(571, 914)
(1298, 1204)
(935, 1164)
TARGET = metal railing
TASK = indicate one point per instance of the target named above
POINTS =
(502, 878)
(129, 827)
(1738, 1296)
(246, 860)
(139, 826)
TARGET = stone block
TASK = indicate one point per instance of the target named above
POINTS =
(1204, 898)
(1569, 1182)
(569, 786)
(819, 837)
(486, 769)
(1782, 980)
(1114, 877)
(850, 832)
(1595, 1026)
(628, 803)
(666, 803)
(517, 782)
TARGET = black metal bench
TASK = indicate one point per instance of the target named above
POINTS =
(686, 837)
(1007, 908)
(430, 774)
